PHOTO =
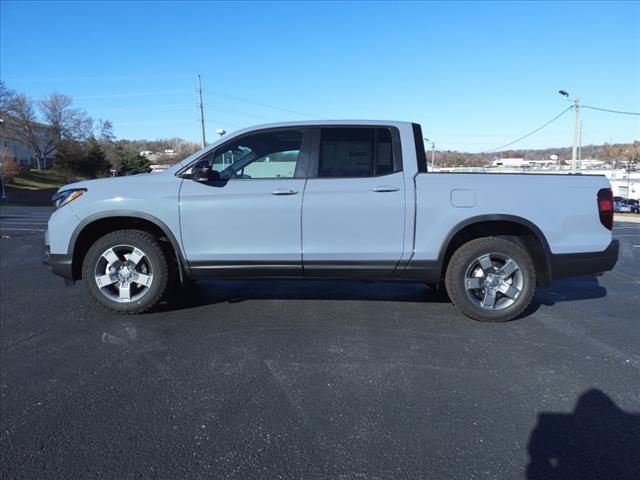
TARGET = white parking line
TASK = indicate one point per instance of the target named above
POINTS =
(24, 229)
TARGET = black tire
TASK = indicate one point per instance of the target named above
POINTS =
(465, 270)
(154, 261)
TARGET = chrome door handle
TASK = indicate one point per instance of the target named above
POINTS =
(385, 188)
(284, 191)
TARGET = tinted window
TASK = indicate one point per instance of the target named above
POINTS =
(355, 152)
(421, 155)
(384, 160)
(271, 154)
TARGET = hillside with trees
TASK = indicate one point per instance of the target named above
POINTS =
(613, 154)
(81, 146)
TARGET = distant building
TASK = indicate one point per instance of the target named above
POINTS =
(23, 154)
(591, 163)
(146, 153)
(511, 162)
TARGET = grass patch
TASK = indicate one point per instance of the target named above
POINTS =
(34, 180)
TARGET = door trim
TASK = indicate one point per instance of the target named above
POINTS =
(246, 269)
(239, 269)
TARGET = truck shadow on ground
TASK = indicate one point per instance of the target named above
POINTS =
(209, 292)
(597, 440)
(566, 290)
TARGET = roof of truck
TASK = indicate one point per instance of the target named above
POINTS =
(302, 123)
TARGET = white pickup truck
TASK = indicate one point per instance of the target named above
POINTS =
(334, 199)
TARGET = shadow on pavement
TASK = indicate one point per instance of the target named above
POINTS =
(567, 290)
(207, 292)
(596, 441)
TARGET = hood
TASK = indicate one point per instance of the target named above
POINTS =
(110, 182)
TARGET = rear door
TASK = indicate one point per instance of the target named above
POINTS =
(353, 213)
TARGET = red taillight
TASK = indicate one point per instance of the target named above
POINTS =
(605, 207)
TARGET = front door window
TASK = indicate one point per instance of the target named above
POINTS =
(270, 154)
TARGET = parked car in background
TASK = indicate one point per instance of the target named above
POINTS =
(621, 207)
(335, 200)
(634, 205)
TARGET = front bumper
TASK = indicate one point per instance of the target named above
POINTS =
(589, 263)
(58, 264)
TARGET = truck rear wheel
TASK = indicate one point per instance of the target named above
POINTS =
(126, 271)
(491, 279)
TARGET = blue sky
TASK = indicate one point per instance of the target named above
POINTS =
(476, 75)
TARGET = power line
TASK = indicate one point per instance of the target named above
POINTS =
(610, 111)
(530, 133)
(133, 94)
(240, 112)
(167, 106)
(246, 100)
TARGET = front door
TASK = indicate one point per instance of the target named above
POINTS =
(245, 221)
(353, 214)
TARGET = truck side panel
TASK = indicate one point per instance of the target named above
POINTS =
(563, 207)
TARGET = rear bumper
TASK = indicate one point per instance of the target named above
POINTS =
(58, 264)
(589, 263)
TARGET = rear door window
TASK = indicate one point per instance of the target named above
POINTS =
(355, 152)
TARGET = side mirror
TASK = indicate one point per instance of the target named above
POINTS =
(202, 172)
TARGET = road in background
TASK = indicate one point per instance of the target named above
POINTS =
(23, 219)
(259, 379)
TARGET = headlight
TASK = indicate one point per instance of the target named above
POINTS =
(66, 196)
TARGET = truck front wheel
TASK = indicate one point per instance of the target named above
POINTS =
(126, 271)
(491, 279)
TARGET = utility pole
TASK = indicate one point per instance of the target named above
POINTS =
(576, 128)
(433, 155)
(204, 140)
(433, 151)
(580, 144)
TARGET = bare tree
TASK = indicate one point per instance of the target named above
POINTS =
(105, 131)
(6, 96)
(57, 121)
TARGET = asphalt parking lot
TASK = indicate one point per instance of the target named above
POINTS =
(305, 380)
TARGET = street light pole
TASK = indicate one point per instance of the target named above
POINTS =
(433, 155)
(3, 194)
(433, 152)
(576, 129)
(628, 180)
